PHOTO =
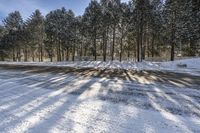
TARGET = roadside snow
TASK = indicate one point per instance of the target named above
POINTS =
(55, 103)
(193, 65)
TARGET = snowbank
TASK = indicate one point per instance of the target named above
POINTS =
(192, 65)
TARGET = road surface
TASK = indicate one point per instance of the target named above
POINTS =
(47, 99)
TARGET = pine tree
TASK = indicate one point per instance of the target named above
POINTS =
(124, 22)
(105, 25)
(171, 15)
(142, 14)
(54, 22)
(35, 25)
(91, 19)
(2, 49)
(13, 23)
(155, 27)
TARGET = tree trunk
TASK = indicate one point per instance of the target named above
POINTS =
(85, 51)
(104, 45)
(2, 57)
(51, 58)
(59, 51)
(172, 47)
(152, 46)
(95, 47)
(139, 36)
(121, 45)
(67, 55)
(148, 47)
(81, 51)
(113, 46)
(140, 42)
(19, 54)
(135, 54)
(25, 53)
(41, 53)
(172, 42)
(143, 52)
(144, 46)
(172, 51)
(33, 56)
(73, 52)
(13, 54)
(128, 52)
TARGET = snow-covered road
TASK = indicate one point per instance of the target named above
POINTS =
(58, 102)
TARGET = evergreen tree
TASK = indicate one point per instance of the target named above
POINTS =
(142, 16)
(105, 25)
(189, 26)
(2, 49)
(35, 26)
(13, 23)
(124, 22)
(172, 23)
(114, 8)
(54, 22)
(91, 19)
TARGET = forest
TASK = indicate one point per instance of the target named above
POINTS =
(107, 30)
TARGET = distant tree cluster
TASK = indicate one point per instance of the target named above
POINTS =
(108, 30)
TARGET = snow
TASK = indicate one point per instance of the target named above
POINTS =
(193, 65)
(47, 102)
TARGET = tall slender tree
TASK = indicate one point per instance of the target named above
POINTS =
(91, 19)
(35, 25)
(13, 23)
(114, 8)
(171, 15)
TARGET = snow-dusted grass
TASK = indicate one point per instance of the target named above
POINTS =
(46, 102)
(193, 65)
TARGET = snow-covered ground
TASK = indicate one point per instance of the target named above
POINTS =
(46, 102)
(193, 65)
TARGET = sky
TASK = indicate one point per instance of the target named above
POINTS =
(26, 7)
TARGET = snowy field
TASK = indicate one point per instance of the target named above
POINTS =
(193, 65)
(58, 102)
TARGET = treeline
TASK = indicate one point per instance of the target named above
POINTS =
(108, 30)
